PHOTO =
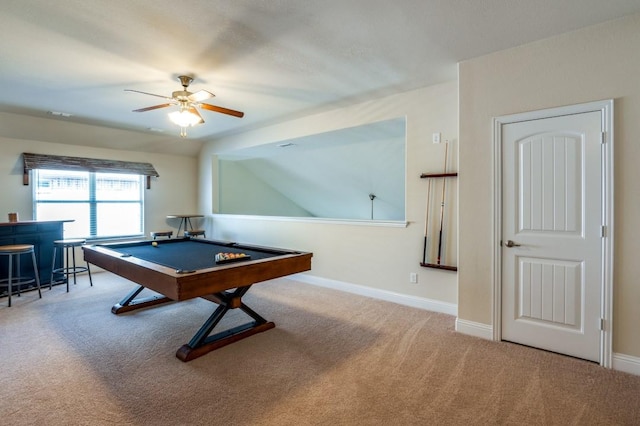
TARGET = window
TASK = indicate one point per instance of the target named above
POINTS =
(102, 205)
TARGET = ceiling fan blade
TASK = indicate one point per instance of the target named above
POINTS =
(200, 95)
(152, 108)
(194, 111)
(146, 93)
(222, 110)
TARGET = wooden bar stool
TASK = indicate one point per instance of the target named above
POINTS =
(156, 234)
(17, 250)
(68, 267)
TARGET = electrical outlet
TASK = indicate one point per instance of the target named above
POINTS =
(435, 138)
(413, 278)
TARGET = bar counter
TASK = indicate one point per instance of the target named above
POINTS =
(41, 234)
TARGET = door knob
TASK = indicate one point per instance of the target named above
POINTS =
(512, 244)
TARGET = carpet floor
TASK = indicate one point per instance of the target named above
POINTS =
(333, 359)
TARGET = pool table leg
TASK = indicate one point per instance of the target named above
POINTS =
(130, 303)
(202, 343)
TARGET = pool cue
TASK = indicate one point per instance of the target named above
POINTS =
(426, 224)
(444, 181)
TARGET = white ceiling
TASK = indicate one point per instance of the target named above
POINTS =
(274, 59)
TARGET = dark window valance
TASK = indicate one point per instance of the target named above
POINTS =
(57, 162)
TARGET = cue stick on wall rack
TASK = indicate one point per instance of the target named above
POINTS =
(444, 182)
(426, 223)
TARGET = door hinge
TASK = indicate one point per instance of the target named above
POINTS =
(603, 231)
(602, 324)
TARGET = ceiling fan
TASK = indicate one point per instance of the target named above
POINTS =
(187, 115)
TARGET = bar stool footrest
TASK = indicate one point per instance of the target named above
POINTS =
(18, 280)
(64, 273)
(70, 270)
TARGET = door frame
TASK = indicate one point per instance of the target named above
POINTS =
(605, 107)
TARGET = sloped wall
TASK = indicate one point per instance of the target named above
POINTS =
(241, 191)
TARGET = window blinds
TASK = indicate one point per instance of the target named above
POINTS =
(57, 162)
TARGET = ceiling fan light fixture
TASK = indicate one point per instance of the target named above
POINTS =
(186, 117)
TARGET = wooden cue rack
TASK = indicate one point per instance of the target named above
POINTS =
(437, 265)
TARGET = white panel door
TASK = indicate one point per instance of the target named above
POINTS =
(552, 234)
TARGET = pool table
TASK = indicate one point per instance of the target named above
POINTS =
(185, 268)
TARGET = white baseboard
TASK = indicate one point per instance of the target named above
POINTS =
(626, 363)
(620, 362)
(390, 296)
(475, 329)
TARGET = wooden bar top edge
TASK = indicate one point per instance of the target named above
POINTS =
(33, 222)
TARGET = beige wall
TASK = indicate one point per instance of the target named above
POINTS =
(174, 192)
(596, 63)
(375, 256)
